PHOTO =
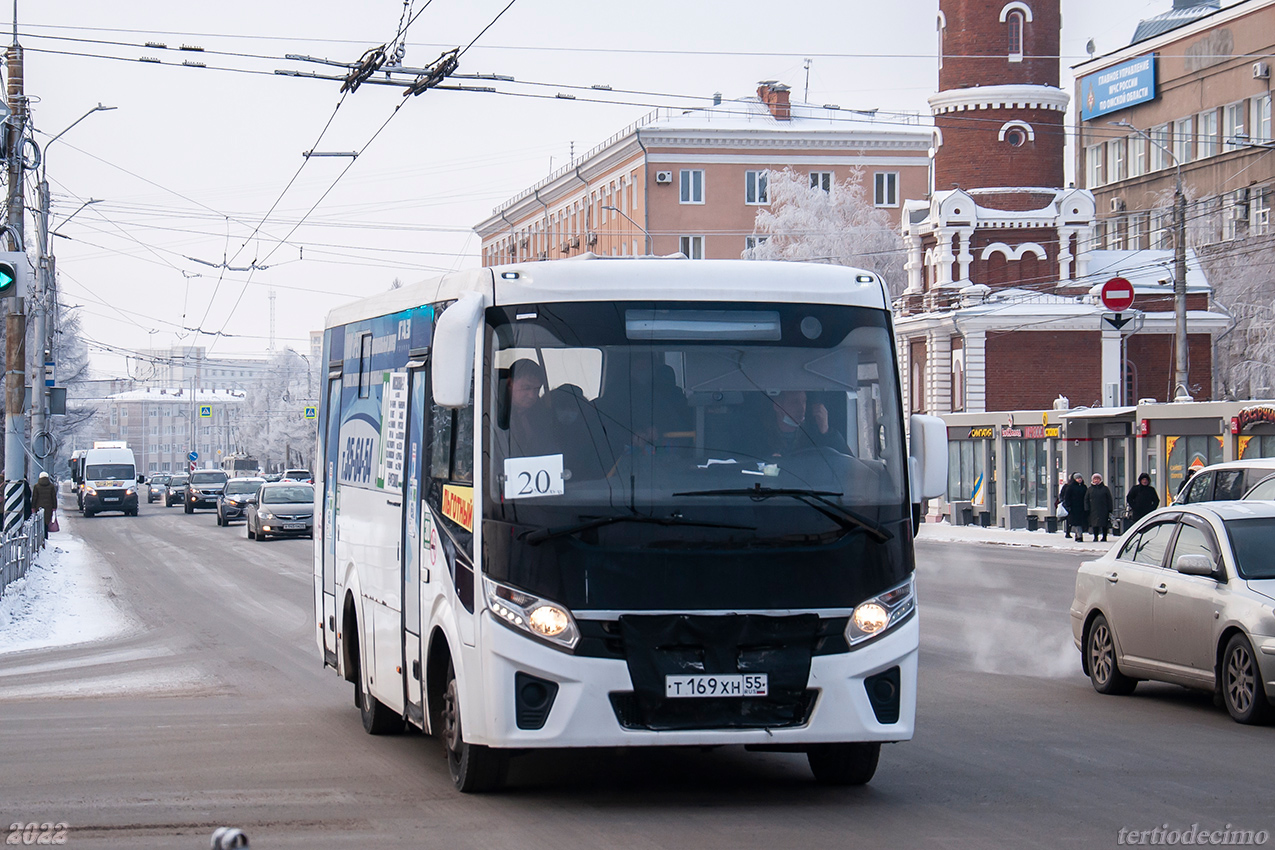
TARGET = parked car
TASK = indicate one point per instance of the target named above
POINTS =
(1223, 481)
(204, 488)
(235, 499)
(1185, 597)
(282, 509)
(302, 475)
(175, 493)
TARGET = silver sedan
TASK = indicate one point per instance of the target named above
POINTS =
(1187, 596)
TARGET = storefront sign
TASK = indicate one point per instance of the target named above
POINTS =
(1118, 87)
(1040, 432)
(981, 433)
(1012, 432)
(1258, 414)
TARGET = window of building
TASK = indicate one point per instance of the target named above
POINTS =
(1094, 166)
(1206, 134)
(1184, 139)
(821, 180)
(1160, 140)
(885, 191)
(1137, 231)
(751, 242)
(1260, 126)
(692, 247)
(692, 185)
(1014, 24)
(1100, 235)
(1137, 155)
(115, 416)
(1259, 212)
(756, 187)
(1115, 160)
(1115, 234)
(916, 375)
(1161, 234)
(958, 374)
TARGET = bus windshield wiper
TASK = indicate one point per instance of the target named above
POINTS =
(817, 499)
(544, 534)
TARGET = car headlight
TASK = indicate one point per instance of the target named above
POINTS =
(130, 491)
(538, 617)
(89, 491)
(879, 614)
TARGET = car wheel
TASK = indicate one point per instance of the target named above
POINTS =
(844, 764)
(89, 513)
(220, 519)
(189, 509)
(261, 537)
(473, 768)
(248, 526)
(1242, 688)
(1100, 652)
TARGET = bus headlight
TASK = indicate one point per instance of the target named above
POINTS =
(881, 613)
(531, 614)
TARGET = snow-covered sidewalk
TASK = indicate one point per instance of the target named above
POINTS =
(944, 531)
(63, 599)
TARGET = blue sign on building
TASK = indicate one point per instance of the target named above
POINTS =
(1118, 87)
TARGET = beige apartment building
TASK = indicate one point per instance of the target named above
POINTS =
(693, 180)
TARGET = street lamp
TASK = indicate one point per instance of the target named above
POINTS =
(46, 300)
(632, 222)
(1181, 390)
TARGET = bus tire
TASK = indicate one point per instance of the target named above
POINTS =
(844, 764)
(376, 716)
(474, 769)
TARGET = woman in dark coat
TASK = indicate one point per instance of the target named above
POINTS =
(45, 495)
(1142, 498)
(1072, 497)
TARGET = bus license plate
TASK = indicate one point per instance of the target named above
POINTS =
(746, 685)
(293, 526)
(110, 498)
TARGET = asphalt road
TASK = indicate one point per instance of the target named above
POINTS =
(216, 711)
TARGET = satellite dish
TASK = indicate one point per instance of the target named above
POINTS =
(1091, 48)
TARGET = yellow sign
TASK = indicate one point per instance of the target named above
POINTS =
(981, 433)
(458, 505)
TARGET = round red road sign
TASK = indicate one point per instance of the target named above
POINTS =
(1117, 295)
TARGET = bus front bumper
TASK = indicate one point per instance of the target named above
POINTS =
(584, 714)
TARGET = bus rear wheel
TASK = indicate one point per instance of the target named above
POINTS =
(473, 768)
(844, 764)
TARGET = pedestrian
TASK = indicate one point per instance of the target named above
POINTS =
(1099, 503)
(1142, 498)
(1072, 497)
(45, 495)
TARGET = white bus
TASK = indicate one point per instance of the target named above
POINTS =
(623, 502)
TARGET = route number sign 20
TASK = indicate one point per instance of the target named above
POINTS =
(530, 477)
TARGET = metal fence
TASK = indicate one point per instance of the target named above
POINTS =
(19, 547)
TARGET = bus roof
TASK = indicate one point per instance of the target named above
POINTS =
(591, 278)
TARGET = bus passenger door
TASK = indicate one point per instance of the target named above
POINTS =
(327, 532)
(414, 574)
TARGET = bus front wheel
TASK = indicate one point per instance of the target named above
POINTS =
(844, 764)
(474, 768)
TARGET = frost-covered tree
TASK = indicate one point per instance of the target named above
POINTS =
(273, 426)
(71, 354)
(839, 226)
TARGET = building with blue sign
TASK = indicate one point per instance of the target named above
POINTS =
(1189, 99)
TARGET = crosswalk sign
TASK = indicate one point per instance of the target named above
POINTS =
(311, 413)
(205, 411)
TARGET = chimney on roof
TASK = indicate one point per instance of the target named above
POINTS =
(775, 95)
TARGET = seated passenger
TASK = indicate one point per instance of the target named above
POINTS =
(792, 426)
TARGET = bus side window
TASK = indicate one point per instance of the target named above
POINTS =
(440, 443)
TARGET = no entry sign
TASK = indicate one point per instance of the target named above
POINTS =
(1117, 295)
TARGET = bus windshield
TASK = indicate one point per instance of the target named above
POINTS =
(692, 430)
(103, 471)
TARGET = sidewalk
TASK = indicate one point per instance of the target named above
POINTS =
(62, 600)
(943, 531)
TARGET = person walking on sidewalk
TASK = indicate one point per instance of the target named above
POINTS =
(1142, 499)
(1072, 497)
(1099, 503)
(45, 495)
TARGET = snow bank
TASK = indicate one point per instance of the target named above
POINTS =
(941, 532)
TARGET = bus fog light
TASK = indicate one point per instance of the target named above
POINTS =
(881, 613)
(531, 614)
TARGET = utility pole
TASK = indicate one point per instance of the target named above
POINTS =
(15, 325)
(41, 300)
(1181, 386)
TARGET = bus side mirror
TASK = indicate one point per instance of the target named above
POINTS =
(928, 463)
(451, 358)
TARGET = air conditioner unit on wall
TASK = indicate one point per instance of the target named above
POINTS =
(663, 177)
(592, 239)
(1117, 204)
(1261, 71)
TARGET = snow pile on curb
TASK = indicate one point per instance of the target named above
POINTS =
(941, 532)
(61, 600)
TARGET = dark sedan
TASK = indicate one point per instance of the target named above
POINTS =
(282, 509)
(175, 492)
(234, 500)
(205, 488)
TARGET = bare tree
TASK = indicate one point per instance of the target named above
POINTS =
(274, 428)
(839, 226)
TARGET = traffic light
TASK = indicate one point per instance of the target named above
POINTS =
(13, 274)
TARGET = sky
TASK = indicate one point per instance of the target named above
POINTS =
(197, 169)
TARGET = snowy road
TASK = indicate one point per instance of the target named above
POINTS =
(209, 706)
